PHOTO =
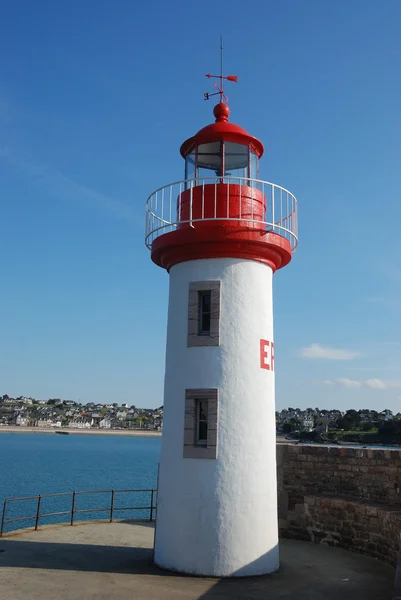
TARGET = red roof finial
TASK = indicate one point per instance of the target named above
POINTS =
(221, 77)
(221, 111)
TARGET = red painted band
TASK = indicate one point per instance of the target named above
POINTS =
(231, 239)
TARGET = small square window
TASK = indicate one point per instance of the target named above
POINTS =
(204, 313)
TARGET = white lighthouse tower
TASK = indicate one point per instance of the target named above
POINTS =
(221, 233)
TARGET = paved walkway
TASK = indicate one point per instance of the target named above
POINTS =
(105, 561)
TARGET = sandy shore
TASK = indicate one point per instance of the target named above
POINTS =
(72, 431)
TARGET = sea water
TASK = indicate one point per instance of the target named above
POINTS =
(33, 464)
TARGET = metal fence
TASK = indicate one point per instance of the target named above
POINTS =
(164, 207)
(11, 514)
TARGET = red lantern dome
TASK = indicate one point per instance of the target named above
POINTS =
(221, 129)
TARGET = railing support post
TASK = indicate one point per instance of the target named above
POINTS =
(38, 513)
(3, 516)
(111, 506)
(190, 206)
(151, 507)
(273, 207)
(73, 508)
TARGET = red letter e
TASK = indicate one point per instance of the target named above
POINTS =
(264, 354)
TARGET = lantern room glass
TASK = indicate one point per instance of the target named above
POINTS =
(253, 165)
(190, 162)
(209, 160)
(221, 159)
(236, 160)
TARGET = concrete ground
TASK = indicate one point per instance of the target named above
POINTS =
(103, 561)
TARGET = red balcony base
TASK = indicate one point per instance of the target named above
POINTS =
(221, 241)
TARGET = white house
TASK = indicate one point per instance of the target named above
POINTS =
(25, 400)
(79, 424)
(308, 423)
(21, 421)
(43, 423)
(387, 414)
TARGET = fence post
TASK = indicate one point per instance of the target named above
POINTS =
(111, 506)
(37, 513)
(151, 507)
(157, 496)
(3, 518)
(73, 508)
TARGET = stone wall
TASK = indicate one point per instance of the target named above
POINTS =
(348, 497)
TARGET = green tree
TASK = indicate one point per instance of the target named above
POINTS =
(368, 426)
(295, 424)
(390, 428)
(139, 420)
(351, 420)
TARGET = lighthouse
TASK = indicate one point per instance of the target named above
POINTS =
(221, 233)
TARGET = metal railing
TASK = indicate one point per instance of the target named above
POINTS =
(164, 206)
(111, 508)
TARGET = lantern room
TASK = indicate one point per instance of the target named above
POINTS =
(221, 149)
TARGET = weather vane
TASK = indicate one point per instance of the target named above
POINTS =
(221, 77)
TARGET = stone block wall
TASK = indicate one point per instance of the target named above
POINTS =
(367, 474)
(348, 497)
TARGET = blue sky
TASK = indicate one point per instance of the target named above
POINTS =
(95, 100)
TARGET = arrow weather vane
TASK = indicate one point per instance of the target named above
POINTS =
(220, 77)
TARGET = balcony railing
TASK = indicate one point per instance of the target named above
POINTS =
(48, 506)
(241, 203)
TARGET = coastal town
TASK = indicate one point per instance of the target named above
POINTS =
(311, 424)
(357, 426)
(57, 413)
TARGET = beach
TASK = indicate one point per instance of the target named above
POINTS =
(76, 431)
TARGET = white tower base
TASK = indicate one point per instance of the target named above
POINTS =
(218, 517)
